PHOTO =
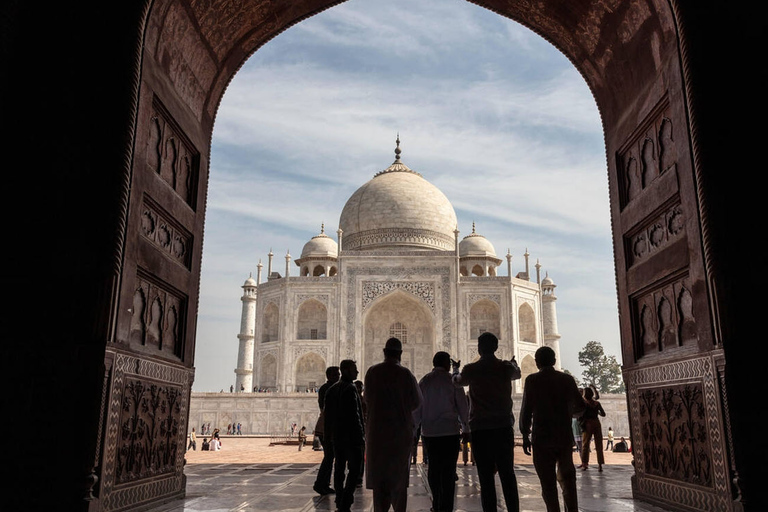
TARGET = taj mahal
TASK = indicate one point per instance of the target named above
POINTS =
(396, 268)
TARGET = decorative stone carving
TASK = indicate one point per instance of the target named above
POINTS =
(171, 238)
(387, 236)
(157, 316)
(648, 153)
(374, 289)
(657, 233)
(474, 297)
(322, 298)
(664, 318)
(146, 426)
(171, 154)
(440, 274)
(678, 441)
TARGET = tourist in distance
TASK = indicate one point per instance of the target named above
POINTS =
(192, 440)
(609, 443)
(206, 446)
(443, 415)
(344, 424)
(491, 420)
(391, 396)
(591, 428)
(322, 483)
(302, 437)
(550, 400)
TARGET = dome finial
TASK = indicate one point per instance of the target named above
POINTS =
(397, 148)
(473, 227)
(322, 228)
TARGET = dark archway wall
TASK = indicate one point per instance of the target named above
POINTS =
(97, 228)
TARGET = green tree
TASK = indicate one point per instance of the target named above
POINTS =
(599, 369)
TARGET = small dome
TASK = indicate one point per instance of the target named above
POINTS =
(321, 246)
(476, 245)
(547, 281)
(250, 282)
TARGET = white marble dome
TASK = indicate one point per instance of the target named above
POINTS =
(476, 245)
(250, 282)
(398, 208)
(321, 246)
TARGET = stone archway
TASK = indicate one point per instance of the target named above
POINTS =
(140, 94)
(401, 315)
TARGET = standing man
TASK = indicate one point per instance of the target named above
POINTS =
(391, 395)
(192, 440)
(491, 420)
(344, 424)
(443, 415)
(322, 484)
(550, 400)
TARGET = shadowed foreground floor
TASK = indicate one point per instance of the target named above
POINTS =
(282, 480)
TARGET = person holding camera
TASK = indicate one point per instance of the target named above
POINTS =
(491, 420)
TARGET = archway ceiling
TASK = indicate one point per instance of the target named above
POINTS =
(202, 43)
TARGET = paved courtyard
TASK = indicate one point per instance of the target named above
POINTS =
(249, 475)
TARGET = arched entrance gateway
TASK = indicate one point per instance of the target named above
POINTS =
(112, 113)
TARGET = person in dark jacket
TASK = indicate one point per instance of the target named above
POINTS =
(322, 483)
(550, 400)
(345, 425)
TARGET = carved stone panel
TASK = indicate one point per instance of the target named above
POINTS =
(146, 431)
(648, 153)
(158, 227)
(158, 316)
(663, 319)
(655, 234)
(171, 154)
(677, 437)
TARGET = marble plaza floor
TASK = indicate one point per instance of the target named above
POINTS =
(249, 475)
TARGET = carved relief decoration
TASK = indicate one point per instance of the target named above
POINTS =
(656, 234)
(388, 236)
(171, 155)
(158, 227)
(441, 274)
(300, 298)
(157, 316)
(146, 432)
(648, 153)
(422, 290)
(677, 434)
(664, 319)
(474, 297)
(300, 350)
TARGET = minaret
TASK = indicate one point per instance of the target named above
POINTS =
(269, 264)
(244, 370)
(288, 263)
(527, 273)
(538, 272)
(258, 272)
(509, 264)
(549, 317)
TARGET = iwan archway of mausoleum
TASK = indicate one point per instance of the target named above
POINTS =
(116, 219)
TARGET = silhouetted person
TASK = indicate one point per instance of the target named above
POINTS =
(344, 424)
(192, 440)
(621, 446)
(322, 483)
(360, 388)
(591, 428)
(391, 396)
(550, 399)
(442, 416)
(491, 420)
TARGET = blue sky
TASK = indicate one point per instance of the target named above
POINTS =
(487, 111)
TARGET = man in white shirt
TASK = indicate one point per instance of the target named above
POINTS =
(443, 416)
(215, 444)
